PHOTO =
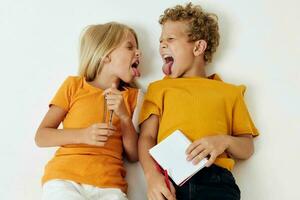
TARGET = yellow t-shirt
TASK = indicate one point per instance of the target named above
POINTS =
(199, 107)
(98, 166)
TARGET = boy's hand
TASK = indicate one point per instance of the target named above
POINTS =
(97, 134)
(157, 188)
(115, 102)
(212, 146)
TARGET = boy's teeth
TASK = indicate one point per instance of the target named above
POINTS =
(167, 56)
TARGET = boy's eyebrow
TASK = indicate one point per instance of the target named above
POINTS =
(161, 38)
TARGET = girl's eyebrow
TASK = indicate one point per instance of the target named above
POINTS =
(130, 43)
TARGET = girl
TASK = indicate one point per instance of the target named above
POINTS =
(88, 164)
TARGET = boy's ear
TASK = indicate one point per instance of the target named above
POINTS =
(200, 46)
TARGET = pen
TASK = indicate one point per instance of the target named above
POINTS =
(111, 113)
(165, 172)
(111, 117)
(167, 179)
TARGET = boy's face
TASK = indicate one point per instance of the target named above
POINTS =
(175, 49)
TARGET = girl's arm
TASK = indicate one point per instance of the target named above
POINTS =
(132, 127)
(48, 135)
(115, 102)
(130, 139)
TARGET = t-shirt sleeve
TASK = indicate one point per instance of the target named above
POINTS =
(152, 104)
(62, 97)
(242, 123)
(137, 110)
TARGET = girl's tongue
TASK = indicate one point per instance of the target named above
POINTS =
(135, 72)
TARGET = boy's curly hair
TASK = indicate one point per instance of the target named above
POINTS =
(202, 25)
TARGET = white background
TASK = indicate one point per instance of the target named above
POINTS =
(259, 47)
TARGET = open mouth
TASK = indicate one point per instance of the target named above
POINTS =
(168, 59)
(134, 67)
(135, 64)
(168, 63)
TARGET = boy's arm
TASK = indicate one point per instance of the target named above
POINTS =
(157, 188)
(149, 130)
(240, 147)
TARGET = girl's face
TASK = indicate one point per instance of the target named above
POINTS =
(124, 60)
(175, 49)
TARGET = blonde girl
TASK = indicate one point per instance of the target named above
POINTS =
(96, 109)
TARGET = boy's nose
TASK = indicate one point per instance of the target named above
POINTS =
(163, 45)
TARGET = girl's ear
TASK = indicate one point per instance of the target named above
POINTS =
(107, 59)
(200, 46)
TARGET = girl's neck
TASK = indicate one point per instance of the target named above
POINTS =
(104, 82)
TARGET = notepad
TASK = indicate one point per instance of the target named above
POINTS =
(170, 155)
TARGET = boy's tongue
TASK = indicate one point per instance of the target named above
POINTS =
(136, 72)
(167, 68)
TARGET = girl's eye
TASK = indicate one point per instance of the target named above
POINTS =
(130, 47)
(170, 39)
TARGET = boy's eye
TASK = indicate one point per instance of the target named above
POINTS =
(170, 39)
(130, 47)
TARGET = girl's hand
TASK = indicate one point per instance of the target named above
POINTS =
(97, 134)
(115, 102)
(212, 145)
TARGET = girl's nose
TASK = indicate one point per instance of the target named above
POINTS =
(138, 53)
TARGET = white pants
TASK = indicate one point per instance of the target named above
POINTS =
(69, 190)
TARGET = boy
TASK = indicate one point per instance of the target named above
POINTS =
(211, 113)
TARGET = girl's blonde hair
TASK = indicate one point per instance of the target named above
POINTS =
(97, 41)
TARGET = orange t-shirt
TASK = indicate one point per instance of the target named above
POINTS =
(199, 107)
(97, 166)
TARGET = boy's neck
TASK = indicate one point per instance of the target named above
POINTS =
(197, 70)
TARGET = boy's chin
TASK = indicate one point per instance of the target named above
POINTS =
(175, 74)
